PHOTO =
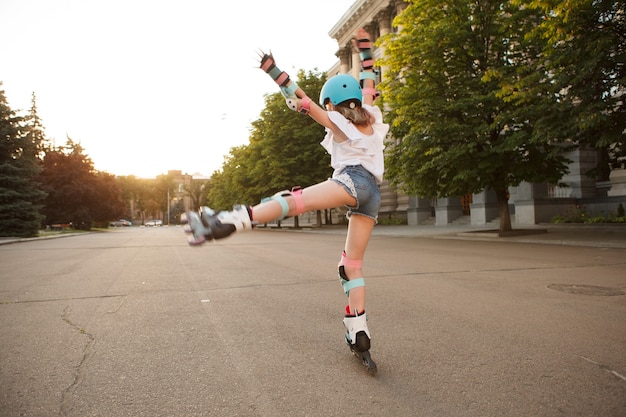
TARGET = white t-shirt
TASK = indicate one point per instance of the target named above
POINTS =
(359, 149)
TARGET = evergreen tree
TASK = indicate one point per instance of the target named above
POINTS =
(20, 195)
(456, 133)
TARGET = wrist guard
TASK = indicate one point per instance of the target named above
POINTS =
(287, 87)
(365, 52)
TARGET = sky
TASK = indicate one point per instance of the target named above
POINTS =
(147, 86)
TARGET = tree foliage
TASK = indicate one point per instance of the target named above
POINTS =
(284, 151)
(197, 191)
(78, 194)
(447, 71)
(20, 194)
(584, 53)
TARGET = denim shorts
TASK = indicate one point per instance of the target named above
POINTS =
(361, 185)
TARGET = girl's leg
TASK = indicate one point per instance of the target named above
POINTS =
(208, 225)
(320, 196)
(357, 334)
(359, 232)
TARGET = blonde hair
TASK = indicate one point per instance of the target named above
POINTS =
(352, 110)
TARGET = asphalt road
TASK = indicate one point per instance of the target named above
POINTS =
(133, 322)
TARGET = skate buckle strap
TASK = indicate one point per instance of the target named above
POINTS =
(351, 284)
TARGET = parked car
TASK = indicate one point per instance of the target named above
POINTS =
(154, 223)
(120, 223)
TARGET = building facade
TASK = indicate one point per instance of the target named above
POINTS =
(528, 203)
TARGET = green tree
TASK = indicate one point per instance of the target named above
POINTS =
(20, 194)
(146, 201)
(66, 177)
(284, 151)
(233, 183)
(107, 201)
(130, 188)
(77, 193)
(197, 191)
(455, 132)
(584, 51)
(164, 188)
(143, 192)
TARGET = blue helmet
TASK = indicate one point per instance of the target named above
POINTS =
(340, 88)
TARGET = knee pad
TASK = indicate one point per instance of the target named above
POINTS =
(347, 283)
(296, 193)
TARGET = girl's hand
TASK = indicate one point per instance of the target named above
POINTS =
(268, 64)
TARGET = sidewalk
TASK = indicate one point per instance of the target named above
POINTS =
(592, 235)
(602, 236)
(8, 240)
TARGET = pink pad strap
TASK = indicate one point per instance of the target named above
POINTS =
(350, 263)
(305, 105)
(372, 92)
(296, 192)
(267, 64)
(368, 63)
(283, 79)
(364, 43)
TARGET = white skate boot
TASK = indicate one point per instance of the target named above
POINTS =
(358, 339)
(206, 225)
(358, 335)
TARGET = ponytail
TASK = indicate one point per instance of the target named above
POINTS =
(352, 110)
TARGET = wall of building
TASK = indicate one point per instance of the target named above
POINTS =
(529, 203)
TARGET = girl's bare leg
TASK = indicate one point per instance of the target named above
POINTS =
(321, 196)
(359, 232)
(324, 195)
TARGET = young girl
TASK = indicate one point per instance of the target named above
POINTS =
(354, 138)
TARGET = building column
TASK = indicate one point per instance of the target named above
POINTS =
(579, 184)
(618, 183)
(383, 18)
(392, 202)
(484, 207)
(356, 63)
(533, 204)
(448, 210)
(400, 6)
(419, 210)
(344, 60)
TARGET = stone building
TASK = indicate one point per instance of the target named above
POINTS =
(528, 203)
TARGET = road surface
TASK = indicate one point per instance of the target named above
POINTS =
(133, 322)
